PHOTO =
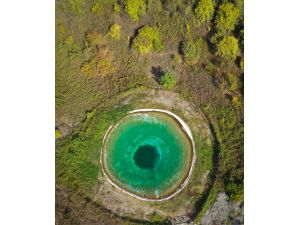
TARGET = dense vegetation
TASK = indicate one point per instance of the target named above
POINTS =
(108, 47)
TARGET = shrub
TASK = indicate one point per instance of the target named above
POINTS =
(227, 48)
(93, 39)
(57, 133)
(227, 16)
(69, 41)
(176, 58)
(135, 8)
(242, 64)
(192, 50)
(117, 8)
(96, 9)
(155, 218)
(115, 31)
(233, 82)
(204, 10)
(236, 102)
(76, 6)
(99, 64)
(61, 28)
(147, 39)
(234, 191)
(168, 80)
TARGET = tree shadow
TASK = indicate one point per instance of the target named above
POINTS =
(157, 72)
(136, 32)
(215, 160)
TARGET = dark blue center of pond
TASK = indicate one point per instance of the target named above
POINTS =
(146, 157)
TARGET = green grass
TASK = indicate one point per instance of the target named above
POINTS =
(77, 157)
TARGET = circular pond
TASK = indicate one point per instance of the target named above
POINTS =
(148, 154)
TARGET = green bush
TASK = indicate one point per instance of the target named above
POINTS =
(57, 133)
(96, 9)
(115, 31)
(204, 10)
(227, 16)
(168, 80)
(135, 8)
(147, 39)
(228, 48)
(233, 82)
(234, 191)
(192, 50)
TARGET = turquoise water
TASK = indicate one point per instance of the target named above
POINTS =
(148, 154)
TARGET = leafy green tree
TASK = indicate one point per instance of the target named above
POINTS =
(192, 50)
(204, 10)
(168, 80)
(228, 48)
(147, 39)
(135, 8)
(115, 31)
(227, 16)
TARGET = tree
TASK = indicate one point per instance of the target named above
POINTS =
(204, 10)
(115, 31)
(168, 80)
(227, 16)
(135, 8)
(227, 48)
(192, 50)
(147, 39)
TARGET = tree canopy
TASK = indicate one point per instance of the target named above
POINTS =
(115, 31)
(135, 8)
(227, 16)
(204, 10)
(227, 47)
(147, 39)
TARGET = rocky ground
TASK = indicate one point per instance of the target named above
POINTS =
(224, 212)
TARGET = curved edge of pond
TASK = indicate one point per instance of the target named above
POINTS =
(185, 128)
